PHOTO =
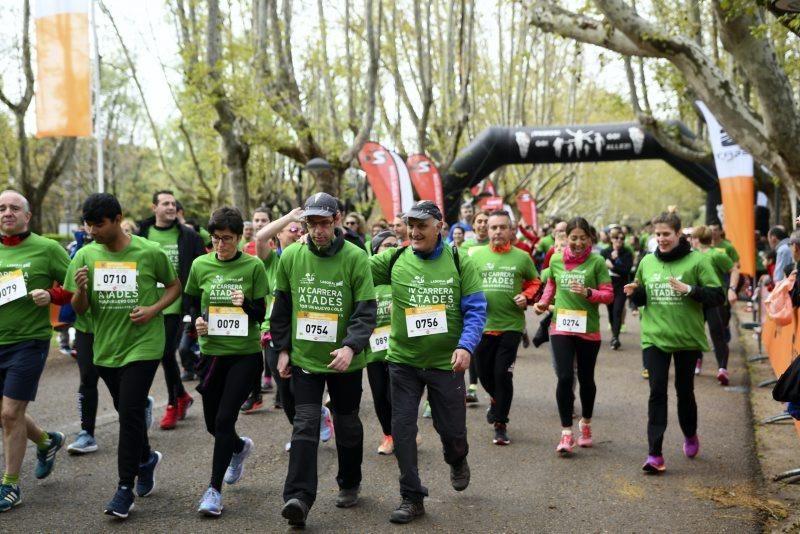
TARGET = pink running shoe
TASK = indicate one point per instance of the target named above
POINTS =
(691, 446)
(722, 377)
(565, 445)
(654, 465)
(585, 439)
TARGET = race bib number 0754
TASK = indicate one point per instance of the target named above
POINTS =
(319, 327)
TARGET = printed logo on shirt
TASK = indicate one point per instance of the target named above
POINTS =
(308, 278)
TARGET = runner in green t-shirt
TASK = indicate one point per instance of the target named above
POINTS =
(580, 282)
(323, 314)
(229, 287)
(116, 278)
(672, 284)
(510, 280)
(29, 264)
(717, 317)
(377, 368)
(438, 314)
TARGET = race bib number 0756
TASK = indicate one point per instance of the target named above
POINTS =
(426, 320)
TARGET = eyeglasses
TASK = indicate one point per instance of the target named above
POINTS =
(617, 237)
(320, 224)
(227, 239)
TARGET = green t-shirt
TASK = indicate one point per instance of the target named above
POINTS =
(117, 340)
(421, 291)
(671, 321)
(383, 295)
(545, 243)
(167, 238)
(212, 280)
(470, 244)
(205, 236)
(502, 275)
(591, 273)
(545, 276)
(728, 248)
(83, 322)
(41, 262)
(324, 293)
(721, 262)
(271, 266)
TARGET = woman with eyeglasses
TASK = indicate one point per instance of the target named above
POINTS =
(230, 287)
(619, 259)
(377, 368)
(671, 287)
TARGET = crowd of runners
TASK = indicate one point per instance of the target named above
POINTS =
(302, 304)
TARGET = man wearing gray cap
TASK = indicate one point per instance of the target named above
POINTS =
(438, 314)
(321, 321)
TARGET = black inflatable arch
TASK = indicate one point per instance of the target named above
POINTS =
(498, 146)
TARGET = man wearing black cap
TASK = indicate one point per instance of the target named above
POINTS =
(323, 316)
(438, 314)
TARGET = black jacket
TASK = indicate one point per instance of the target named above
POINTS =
(360, 326)
(707, 296)
(621, 272)
(190, 246)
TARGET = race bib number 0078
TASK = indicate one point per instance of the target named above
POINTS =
(12, 286)
(114, 276)
(426, 320)
(227, 321)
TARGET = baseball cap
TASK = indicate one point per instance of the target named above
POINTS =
(322, 205)
(424, 209)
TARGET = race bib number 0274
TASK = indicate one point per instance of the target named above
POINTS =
(114, 276)
(571, 321)
(426, 320)
(12, 286)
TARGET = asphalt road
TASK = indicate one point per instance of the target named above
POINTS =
(524, 487)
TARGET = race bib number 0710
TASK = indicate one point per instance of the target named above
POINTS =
(227, 321)
(12, 286)
(571, 321)
(114, 276)
(426, 320)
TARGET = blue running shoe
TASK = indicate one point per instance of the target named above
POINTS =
(10, 496)
(121, 503)
(46, 459)
(326, 426)
(211, 503)
(236, 467)
(148, 412)
(83, 444)
(426, 412)
(146, 480)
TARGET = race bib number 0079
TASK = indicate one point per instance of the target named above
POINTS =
(227, 321)
(114, 276)
(12, 286)
(571, 321)
(319, 327)
(426, 320)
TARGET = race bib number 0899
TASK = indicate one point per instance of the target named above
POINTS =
(379, 340)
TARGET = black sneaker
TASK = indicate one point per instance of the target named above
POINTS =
(295, 512)
(459, 475)
(146, 479)
(500, 434)
(187, 376)
(121, 503)
(615, 344)
(490, 414)
(407, 511)
(347, 498)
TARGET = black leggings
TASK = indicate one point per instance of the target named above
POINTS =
(378, 375)
(172, 374)
(616, 309)
(495, 357)
(224, 386)
(87, 391)
(717, 318)
(473, 372)
(129, 386)
(284, 393)
(567, 350)
(658, 364)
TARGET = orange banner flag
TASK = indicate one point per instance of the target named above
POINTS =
(63, 88)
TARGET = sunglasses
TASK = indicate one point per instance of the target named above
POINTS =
(295, 230)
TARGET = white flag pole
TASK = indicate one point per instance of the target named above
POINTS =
(98, 127)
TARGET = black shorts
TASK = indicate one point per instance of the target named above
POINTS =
(21, 365)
